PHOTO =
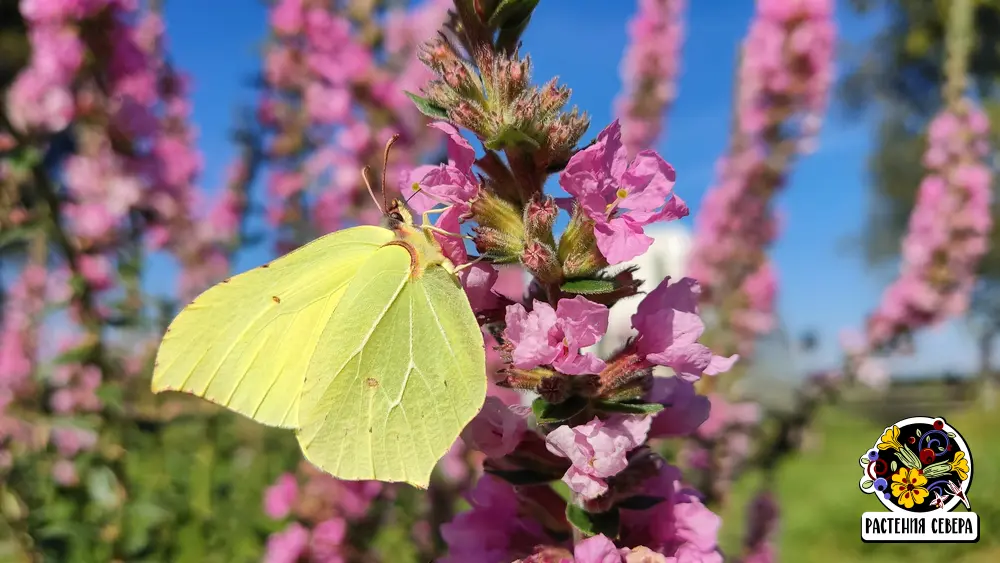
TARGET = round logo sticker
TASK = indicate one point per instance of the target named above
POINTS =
(918, 465)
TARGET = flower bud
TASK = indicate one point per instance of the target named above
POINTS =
(555, 389)
(539, 216)
(541, 261)
(626, 376)
(578, 250)
(526, 379)
(499, 247)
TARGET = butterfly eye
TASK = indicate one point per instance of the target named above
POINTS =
(396, 216)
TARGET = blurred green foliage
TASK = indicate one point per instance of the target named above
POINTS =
(185, 490)
(822, 504)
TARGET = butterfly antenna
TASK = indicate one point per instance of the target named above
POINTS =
(385, 167)
(365, 175)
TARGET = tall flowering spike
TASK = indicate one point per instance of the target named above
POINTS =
(649, 71)
(948, 230)
(621, 196)
(951, 221)
(783, 81)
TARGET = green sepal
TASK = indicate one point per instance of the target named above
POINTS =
(549, 413)
(427, 107)
(628, 407)
(510, 137)
(594, 523)
(589, 287)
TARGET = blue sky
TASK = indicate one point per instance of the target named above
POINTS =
(824, 284)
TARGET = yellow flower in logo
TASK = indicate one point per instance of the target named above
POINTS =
(908, 486)
(960, 465)
(890, 439)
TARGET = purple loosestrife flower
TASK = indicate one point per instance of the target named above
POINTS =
(680, 526)
(669, 327)
(287, 546)
(621, 197)
(497, 429)
(555, 336)
(684, 410)
(327, 539)
(597, 450)
(453, 183)
(281, 496)
(493, 530)
(596, 549)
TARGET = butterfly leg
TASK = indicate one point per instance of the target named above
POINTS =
(434, 229)
(468, 264)
(425, 217)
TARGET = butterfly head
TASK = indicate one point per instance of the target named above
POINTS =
(398, 215)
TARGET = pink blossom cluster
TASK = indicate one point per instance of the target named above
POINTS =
(787, 67)
(602, 459)
(649, 70)
(319, 510)
(948, 231)
(784, 78)
(333, 101)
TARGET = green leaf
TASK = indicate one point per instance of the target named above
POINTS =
(629, 407)
(508, 137)
(512, 17)
(589, 287)
(15, 235)
(112, 396)
(512, 10)
(893, 466)
(868, 483)
(75, 355)
(591, 523)
(640, 502)
(548, 413)
(427, 107)
(951, 434)
(523, 476)
(919, 433)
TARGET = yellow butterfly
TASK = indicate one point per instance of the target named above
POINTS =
(363, 341)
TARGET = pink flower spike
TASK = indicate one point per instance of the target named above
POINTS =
(547, 336)
(597, 450)
(496, 430)
(621, 197)
(596, 549)
(669, 328)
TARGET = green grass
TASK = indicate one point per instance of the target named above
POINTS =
(822, 504)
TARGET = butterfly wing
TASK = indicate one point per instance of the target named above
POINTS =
(399, 372)
(245, 343)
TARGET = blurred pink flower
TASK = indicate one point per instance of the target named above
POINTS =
(280, 497)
